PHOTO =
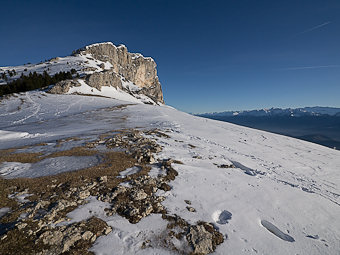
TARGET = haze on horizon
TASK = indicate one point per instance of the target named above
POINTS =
(211, 55)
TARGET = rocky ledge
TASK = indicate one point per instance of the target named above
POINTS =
(118, 68)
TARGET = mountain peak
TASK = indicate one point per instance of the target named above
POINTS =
(101, 69)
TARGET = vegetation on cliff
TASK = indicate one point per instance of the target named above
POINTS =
(34, 81)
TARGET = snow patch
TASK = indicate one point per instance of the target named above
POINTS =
(46, 167)
(4, 211)
(8, 135)
(129, 171)
(106, 91)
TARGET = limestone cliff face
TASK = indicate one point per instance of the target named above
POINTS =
(106, 65)
(132, 66)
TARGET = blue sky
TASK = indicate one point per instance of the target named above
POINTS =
(211, 55)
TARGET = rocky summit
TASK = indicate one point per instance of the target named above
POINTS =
(100, 69)
(118, 67)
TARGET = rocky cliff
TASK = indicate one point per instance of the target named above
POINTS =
(107, 65)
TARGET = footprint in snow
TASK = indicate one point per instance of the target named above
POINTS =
(245, 169)
(316, 237)
(276, 231)
(221, 217)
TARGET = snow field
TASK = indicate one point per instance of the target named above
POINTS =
(281, 197)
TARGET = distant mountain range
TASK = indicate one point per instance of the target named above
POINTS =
(297, 112)
(319, 125)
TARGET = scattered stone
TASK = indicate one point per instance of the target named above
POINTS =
(21, 226)
(108, 230)
(200, 239)
(103, 179)
(134, 202)
(164, 186)
(146, 244)
(87, 235)
(84, 194)
(138, 195)
(63, 87)
(204, 238)
(225, 166)
(191, 209)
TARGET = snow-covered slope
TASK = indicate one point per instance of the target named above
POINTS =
(281, 197)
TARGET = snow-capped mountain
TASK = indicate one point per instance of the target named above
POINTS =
(81, 173)
(320, 125)
(297, 112)
(101, 69)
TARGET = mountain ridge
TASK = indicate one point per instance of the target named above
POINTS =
(99, 69)
(293, 112)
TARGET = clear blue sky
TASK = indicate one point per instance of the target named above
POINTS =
(211, 55)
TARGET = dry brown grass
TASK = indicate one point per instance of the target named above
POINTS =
(28, 157)
(10, 155)
(61, 186)
(61, 141)
(54, 188)
(75, 151)
(113, 163)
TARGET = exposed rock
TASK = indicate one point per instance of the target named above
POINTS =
(188, 202)
(133, 67)
(138, 195)
(225, 166)
(105, 78)
(204, 238)
(103, 179)
(63, 239)
(84, 194)
(164, 186)
(200, 239)
(63, 87)
(87, 235)
(191, 209)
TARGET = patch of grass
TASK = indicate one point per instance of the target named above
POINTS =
(75, 151)
(55, 188)
(10, 155)
(28, 157)
(18, 242)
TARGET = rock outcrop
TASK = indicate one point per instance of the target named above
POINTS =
(104, 64)
(63, 87)
(133, 67)
(105, 78)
